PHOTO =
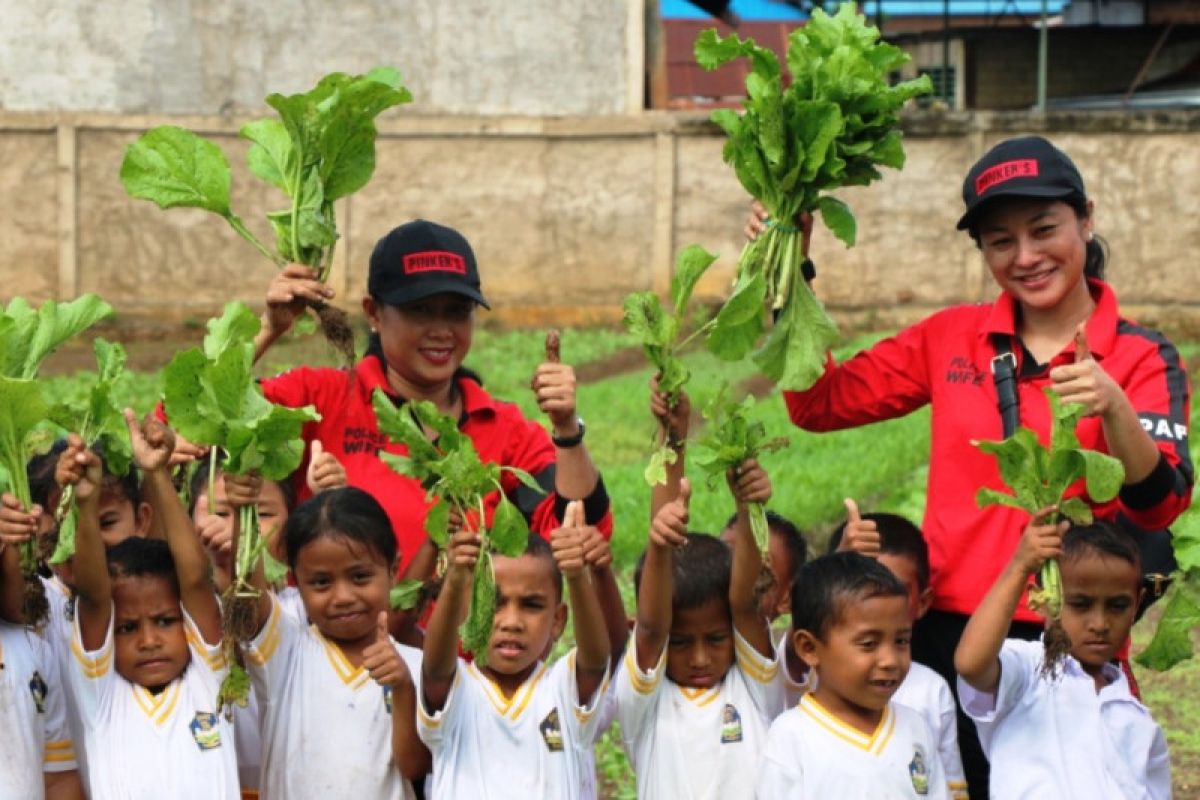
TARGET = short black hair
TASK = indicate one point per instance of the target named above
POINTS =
(826, 584)
(347, 513)
(784, 528)
(1103, 538)
(137, 557)
(43, 487)
(897, 537)
(539, 548)
(701, 573)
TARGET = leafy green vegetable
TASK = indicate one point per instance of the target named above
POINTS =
(1172, 641)
(660, 332)
(449, 469)
(406, 594)
(98, 419)
(731, 437)
(1038, 477)
(320, 149)
(27, 336)
(212, 398)
(833, 125)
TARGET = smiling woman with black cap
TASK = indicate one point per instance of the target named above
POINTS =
(1055, 324)
(423, 288)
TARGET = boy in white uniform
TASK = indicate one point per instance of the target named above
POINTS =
(1081, 734)
(700, 682)
(37, 758)
(852, 625)
(146, 644)
(899, 545)
(516, 726)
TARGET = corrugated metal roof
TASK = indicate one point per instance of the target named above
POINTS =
(776, 11)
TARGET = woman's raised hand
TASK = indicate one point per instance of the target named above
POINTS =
(554, 385)
(289, 293)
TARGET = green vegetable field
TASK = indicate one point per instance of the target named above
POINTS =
(882, 466)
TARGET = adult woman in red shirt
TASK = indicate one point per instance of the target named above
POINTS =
(1056, 322)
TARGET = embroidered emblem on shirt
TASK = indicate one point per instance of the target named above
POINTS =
(731, 725)
(552, 732)
(205, 731)
(387, 698)
(918, 772)
(69, 609)
(37, 688)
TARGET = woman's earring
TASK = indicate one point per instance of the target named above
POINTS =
(1089, 236)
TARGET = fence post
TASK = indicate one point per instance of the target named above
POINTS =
(663, 252)
(68, 182)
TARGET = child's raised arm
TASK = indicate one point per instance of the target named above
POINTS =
(667, 531)
(17, 526)
(591, 637)
(673, 432)
(597, 554)
(977, 657)
(749, 484)
(153, 443)
(440, 662)
(81, 467)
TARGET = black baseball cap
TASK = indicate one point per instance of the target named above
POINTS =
(420, 259)
(1028, 166)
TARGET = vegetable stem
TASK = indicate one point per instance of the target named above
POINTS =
(244, 232)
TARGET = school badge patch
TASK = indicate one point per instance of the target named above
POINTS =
(387, 698)
(731, 725)
(918, 772)
(552, 732)
(37, 688)
(205, 731)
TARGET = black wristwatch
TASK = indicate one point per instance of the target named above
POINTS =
(570, 441)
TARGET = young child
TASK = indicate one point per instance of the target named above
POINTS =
(1082, 735)
(508, 724)
(146, 643)
(336, 696)
(699, 684)
(898, 545)
(37, 757)
(851, 624)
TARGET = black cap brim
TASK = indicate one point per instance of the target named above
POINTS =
(429, 289)
(1039, 192)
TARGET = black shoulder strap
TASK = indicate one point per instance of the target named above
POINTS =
(1004, 374)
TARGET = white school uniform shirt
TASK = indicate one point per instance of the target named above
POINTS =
(326, 725)
(532, 744)
(810, 754)
(692, 743)
(927, 693)
(58, 633)
(1061, 738)
(141, 745)
(33, 715)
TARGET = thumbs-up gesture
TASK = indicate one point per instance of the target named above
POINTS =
(554, 385)
(861, 535)
(1086, 382)
(324, 470)
(669, 528)
(381, 660)
(567, 542)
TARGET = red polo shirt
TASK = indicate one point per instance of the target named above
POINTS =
(348, 429)
(945, 360)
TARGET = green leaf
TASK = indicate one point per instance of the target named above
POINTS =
(64, 548)
(988, 497)
(1172, 642)
(437, 522)
(1104, 475)
(476, 631)
(405, 594)
(656, 470)
(739, 323)
(794, 353)
(1076, 510)
(1185, 540)
(509, 532)
(689, 267)
(23, 408)
(527, 480)
(173, 167)
(271, 157)
(32, 335)
(274, 571)
(237, 326)
(838, 217)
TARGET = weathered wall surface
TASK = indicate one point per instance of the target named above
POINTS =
(569, 215)
(212, 56)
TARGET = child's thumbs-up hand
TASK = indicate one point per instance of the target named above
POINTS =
(381, 660)
(324, 470)
(1086, 382)
(860, 535)
(669, 528)
(567, 543)
(554, 385)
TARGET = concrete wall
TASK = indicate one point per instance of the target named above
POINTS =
(211, 56)
(568, 216)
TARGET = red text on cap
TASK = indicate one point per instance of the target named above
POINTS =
(1006, 171)
(434, 261)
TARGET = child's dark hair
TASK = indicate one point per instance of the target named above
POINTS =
(198, 485)
(539, 548)
(43, 488)
(897, 537)
(347, 513)
(1102, 538)
(824, 586)
(702, 568)
(786, 530)
(136, 557)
